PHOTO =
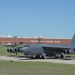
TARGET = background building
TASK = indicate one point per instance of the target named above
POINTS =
(35, 40)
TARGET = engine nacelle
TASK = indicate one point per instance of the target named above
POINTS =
(12, 50)
(19, 49)
(70, 51)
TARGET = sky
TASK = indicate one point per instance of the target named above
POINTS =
(30, 18)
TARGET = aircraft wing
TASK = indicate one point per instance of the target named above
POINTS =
(57, 48)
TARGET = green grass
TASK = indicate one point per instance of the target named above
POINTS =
(35, 68)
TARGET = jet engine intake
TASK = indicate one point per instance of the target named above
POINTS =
(71, 51)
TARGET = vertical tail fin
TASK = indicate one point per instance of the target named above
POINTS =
(73, 40)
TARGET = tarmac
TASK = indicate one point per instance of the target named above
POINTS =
(24, 59)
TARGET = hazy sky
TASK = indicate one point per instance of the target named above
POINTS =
(48, 18)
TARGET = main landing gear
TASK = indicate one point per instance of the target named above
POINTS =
(41, 56)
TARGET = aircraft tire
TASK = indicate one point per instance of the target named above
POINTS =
(37, 56)
(62, 55)
(43, 57)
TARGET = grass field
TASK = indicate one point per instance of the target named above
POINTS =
(35, 68)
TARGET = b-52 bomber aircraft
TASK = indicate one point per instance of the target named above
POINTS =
(44, 50)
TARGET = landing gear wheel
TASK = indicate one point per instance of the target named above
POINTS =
(62, 55)
(37, 56)
(43, 57)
